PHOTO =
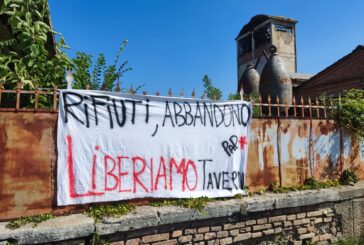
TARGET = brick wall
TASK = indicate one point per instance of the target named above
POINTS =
(296, 225)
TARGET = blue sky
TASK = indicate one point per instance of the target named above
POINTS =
(172, 44)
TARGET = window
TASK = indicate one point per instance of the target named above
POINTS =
(262, 36)
(283, 28)
(245, 45)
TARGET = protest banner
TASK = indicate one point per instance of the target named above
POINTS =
(114, 146)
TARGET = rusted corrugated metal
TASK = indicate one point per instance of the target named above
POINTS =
(262, 166)
(294, 150)
(281, 150)
(352, 152)
(27, 157)
(326, 148)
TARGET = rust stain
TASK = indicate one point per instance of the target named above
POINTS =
(327, 126)
(28, 159)
(25, 175)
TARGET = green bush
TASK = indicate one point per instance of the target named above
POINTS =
(28, 57)
(348, 177)
(352, 111)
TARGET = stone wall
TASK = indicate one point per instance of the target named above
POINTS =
(322, 216)
(296, 225)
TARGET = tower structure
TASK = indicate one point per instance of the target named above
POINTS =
(255, 39)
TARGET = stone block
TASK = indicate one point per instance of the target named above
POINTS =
(198, 237)
(142, 217)
(277, 218)
(169, 242)
(287, 223)
(213, 242)
(226, 241)
(261, 227)
(250, 222)
(190, 231)
(203, 229)
(135, 241)
(234, 232)
(301, 215)
(155, 238)
(242, 237)
(60, 228)
(277, 230)
(216, 228)
(301, 221)
(301, 231)
(268, 232)
(307, 236)
(210, 235)
(318, 220)
(314, 213)
(291, 217)
(114, 243)
(222, 234)
(234, 226)
(262, 221)
(276, 224)
(184, 239)
(176, 233)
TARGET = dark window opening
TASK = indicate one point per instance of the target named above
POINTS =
(262, 36)
(283, 28)
(245, 45)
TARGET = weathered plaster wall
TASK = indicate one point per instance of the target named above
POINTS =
(280, 150)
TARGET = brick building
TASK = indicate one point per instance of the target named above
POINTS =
(346, 73)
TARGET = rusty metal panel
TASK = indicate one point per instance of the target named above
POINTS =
(294, 136)
(326, 148)
(360, 159)
(27, 156)
(353, 152)
(262, 166)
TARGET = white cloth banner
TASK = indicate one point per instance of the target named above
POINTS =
(114, 146)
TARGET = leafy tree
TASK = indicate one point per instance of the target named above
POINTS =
(81, 64)
(234, 96)
(27, 56)
(102, 76)
(98, 70)
(211, 91)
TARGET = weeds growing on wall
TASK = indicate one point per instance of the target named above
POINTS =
(348, 177)
(35, 220)
(108, 210)
(193, 203)
(352, 241)
(309, 184)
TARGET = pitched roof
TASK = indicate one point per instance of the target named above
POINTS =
(333, 66)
